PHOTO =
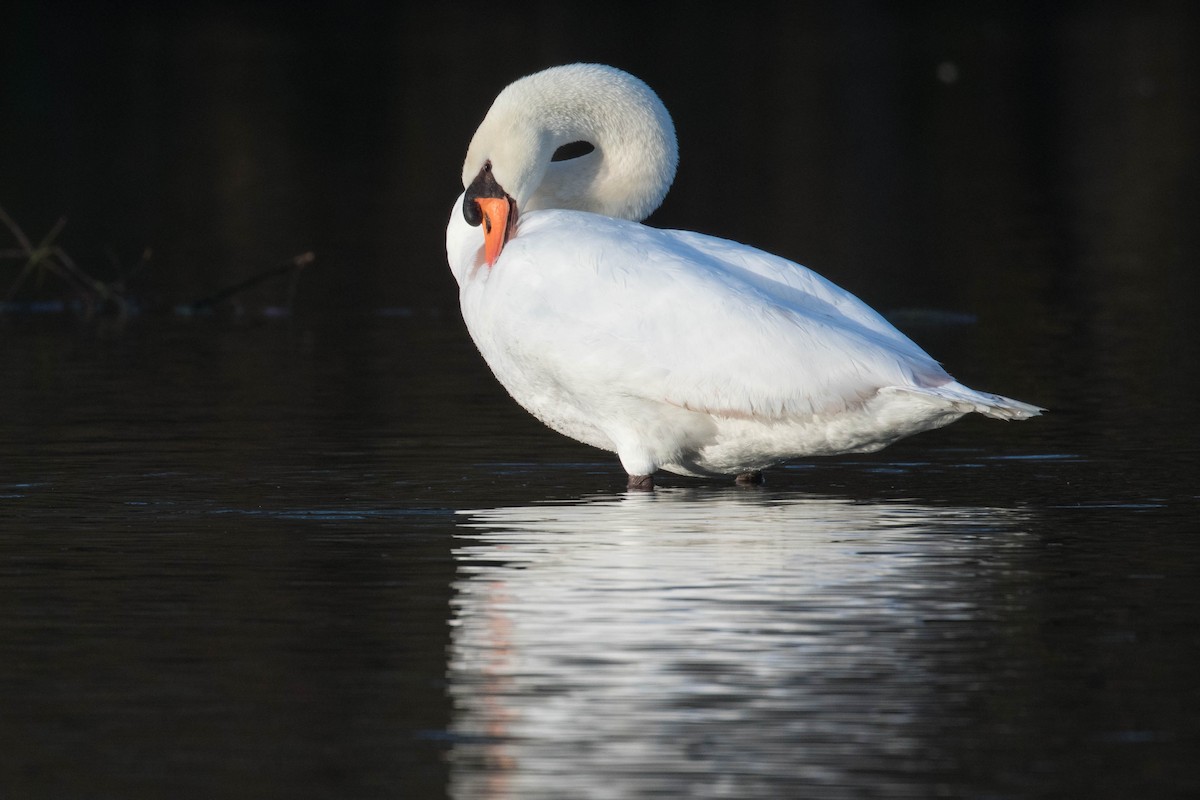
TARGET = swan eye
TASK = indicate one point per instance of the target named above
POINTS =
(572, 150)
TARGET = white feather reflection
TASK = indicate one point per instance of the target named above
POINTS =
(709, 645)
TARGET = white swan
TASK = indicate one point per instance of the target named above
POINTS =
(676, 350)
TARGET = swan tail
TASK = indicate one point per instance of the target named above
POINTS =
(991, 405)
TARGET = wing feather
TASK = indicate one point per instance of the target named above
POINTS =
(694, 321)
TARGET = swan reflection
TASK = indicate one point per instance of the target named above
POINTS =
(709, 644)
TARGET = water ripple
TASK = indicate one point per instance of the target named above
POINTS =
(719, 645)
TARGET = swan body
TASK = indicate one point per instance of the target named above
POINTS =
(675, 350)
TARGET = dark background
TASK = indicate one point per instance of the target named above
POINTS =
(922, 154)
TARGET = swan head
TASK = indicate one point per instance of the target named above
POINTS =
(510, 167)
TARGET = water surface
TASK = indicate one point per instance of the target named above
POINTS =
(312, 559)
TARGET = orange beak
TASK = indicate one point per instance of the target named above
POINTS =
(499, 218)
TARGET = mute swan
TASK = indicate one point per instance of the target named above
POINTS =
(675, 350)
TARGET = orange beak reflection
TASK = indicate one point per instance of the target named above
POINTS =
(499, 225)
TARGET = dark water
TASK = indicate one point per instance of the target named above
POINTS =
(318, 559)
(322, 555)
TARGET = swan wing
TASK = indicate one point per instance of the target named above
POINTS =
(686, 319)
(790, 282)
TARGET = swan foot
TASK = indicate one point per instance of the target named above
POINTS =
(754, 478)
(641, 483)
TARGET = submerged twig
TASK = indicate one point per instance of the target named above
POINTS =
(290, 267)
(36, 258)
(47, 257)
(93, 288)
(18, 234)
(123, 274)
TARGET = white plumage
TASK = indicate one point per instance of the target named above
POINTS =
(675, 350)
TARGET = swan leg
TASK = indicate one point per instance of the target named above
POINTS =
(641, 483)
(753, 478)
